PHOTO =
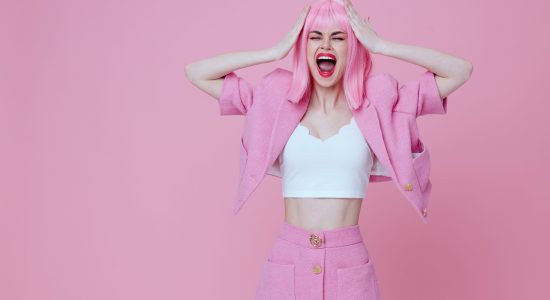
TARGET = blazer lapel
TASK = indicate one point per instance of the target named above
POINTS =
(369, 124)
(288, 116)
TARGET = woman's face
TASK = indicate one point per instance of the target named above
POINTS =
(321, 47)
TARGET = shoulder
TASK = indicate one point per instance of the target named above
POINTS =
(275, 84)
(279, 76)
(382, 89)
(383, 82)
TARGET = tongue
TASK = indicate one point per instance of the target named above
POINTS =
(326, 65)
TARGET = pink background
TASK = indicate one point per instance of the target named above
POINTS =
(117, 176)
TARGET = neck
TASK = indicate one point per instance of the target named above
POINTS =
(327, 98)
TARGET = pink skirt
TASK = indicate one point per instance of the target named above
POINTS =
(318, 265)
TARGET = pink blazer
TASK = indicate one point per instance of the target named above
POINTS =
(387, 120)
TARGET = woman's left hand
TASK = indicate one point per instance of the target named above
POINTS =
(362, 29)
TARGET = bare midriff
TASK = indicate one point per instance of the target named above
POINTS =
(322, 213)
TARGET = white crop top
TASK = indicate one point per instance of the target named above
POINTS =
(338, 167)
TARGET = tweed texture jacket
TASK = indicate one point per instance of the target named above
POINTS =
(387, 119)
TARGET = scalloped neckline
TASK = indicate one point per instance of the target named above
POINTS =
(330, 137)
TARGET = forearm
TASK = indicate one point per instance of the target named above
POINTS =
(218, 66)
(442, 64)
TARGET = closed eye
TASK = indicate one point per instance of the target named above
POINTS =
(316, 38)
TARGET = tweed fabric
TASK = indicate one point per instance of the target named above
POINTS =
(339, 268)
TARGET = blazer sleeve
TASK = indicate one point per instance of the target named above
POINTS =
(237, 95)
(421, 96)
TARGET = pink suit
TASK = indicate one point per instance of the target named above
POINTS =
(331, 264)
(387, 120)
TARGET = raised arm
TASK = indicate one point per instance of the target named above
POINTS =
(209, 74)
(450, 71)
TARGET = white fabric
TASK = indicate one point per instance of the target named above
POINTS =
(377, 167)
(338, 167)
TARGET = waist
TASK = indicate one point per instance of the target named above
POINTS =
(317, 238)
(322, 213)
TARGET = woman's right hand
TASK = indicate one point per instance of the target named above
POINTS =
(282, 49)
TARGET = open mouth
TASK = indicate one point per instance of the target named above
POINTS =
(326, 64)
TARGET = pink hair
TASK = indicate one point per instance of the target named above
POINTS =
(323, 14)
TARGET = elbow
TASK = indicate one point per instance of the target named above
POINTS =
(468, 69)
(189, 73)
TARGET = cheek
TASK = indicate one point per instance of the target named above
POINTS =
(343, 52)
(309, 53)
(310, 56)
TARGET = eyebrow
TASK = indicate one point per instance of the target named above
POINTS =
(334, 33)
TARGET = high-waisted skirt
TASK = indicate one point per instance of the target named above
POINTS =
(318, 265)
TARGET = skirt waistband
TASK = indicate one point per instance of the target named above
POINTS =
(337, 237)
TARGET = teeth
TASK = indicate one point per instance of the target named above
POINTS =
(325, 57)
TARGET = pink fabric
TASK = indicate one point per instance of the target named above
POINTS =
(387, 119)
(345, 269)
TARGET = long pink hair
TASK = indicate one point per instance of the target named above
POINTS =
(323, 14)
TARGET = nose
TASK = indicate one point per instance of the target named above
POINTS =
(326, 44)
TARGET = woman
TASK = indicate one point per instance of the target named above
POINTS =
(339, 130)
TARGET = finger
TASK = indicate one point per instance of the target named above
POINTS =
(351, 13)
(355, 14)
(355, 29)
(304, 14)
(352, 9)
(306, 9)
(354, 18)
(302, 18)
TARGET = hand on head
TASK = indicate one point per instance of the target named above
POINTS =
(282, 49)
(362, 28)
